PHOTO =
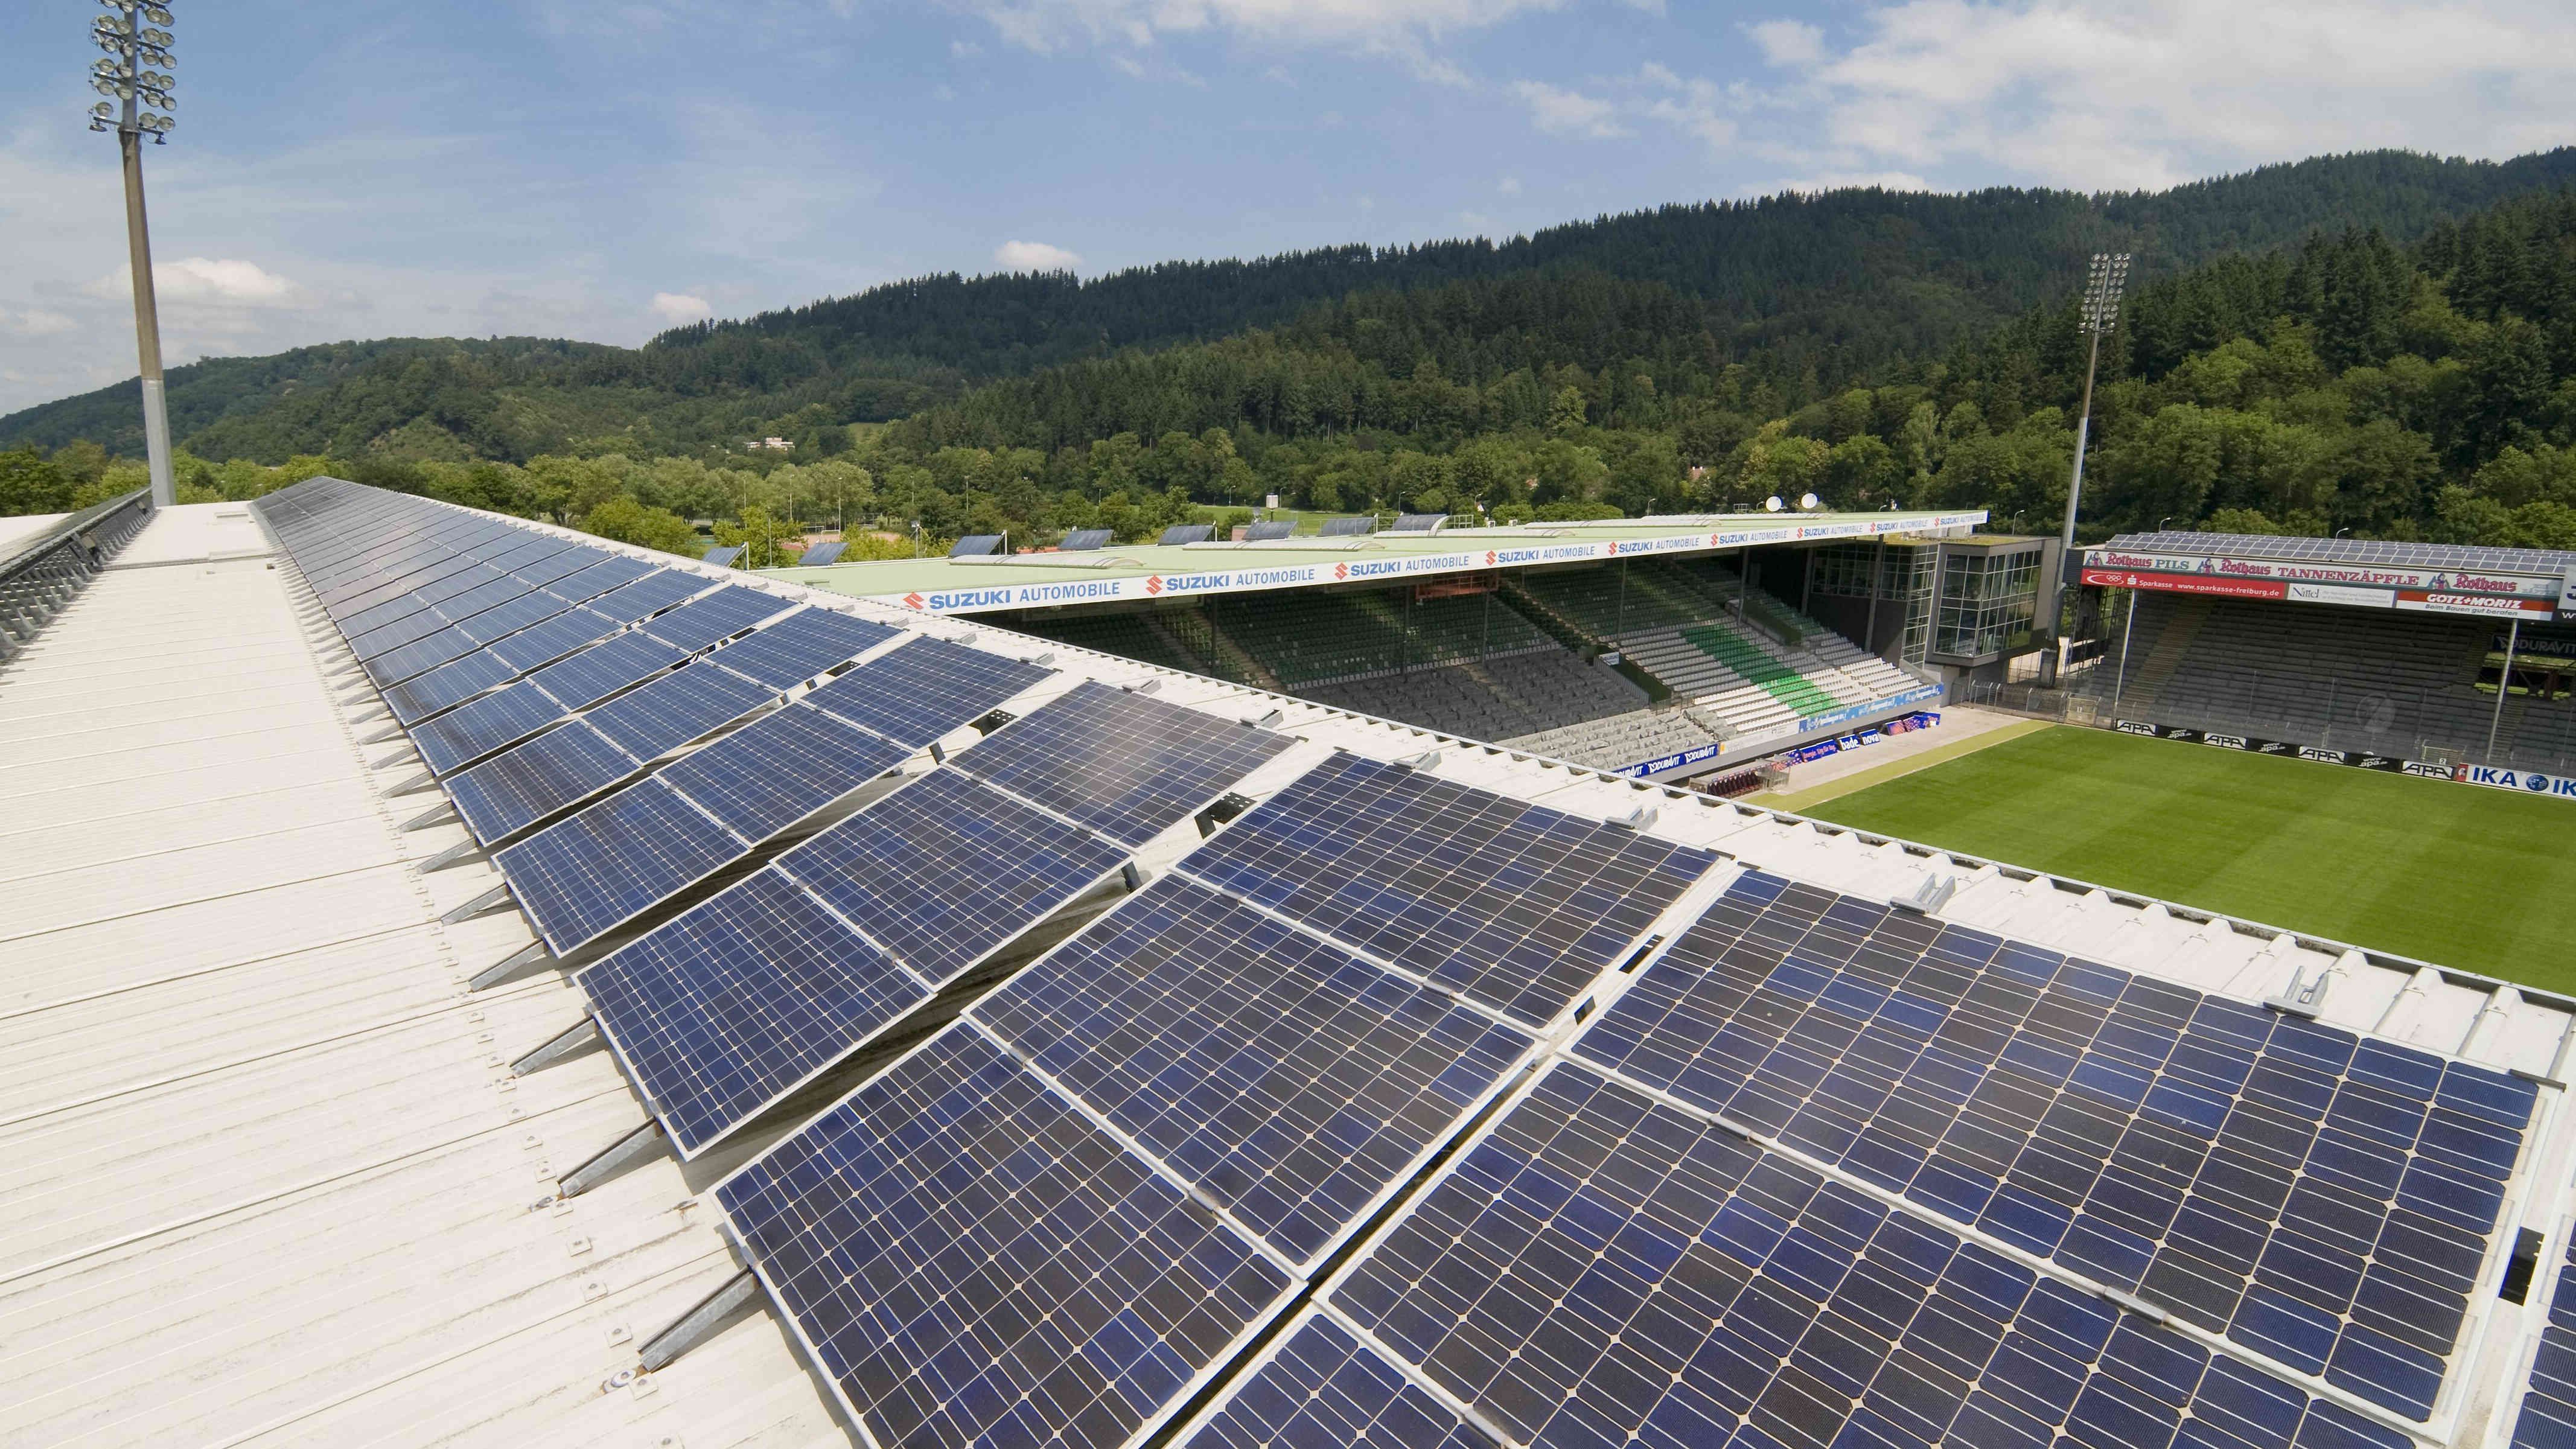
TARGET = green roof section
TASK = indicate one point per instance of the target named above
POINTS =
(1145, 572)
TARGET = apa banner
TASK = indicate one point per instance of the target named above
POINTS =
(2221, 739)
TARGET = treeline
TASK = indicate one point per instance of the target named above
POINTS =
(1811, 294)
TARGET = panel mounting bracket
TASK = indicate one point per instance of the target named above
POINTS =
(695, 1325)
(582, 1035)
(457, 854)
(441, 815)
(2300, 998)
(634, 1147)
(383, 736)
(517, 961)
(491, 900)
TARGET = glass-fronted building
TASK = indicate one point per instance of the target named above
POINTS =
(1960, 607)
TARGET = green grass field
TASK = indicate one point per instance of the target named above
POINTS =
(2452, 874)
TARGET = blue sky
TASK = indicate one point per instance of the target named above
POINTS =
(601, 168)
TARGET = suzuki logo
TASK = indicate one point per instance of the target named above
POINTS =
(912, 601)
(1489, 558)
(1154, 585)
(1341, 571)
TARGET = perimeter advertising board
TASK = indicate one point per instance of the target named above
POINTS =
(2358, 586)
(1253, 577)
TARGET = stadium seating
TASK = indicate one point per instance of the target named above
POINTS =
(1126, 635)
(2337, 677)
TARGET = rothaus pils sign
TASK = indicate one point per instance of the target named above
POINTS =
(2414, 588)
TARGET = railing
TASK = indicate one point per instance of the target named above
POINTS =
(41, 575)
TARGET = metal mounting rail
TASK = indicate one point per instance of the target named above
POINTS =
(41, 577)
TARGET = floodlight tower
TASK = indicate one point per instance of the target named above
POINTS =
(136, 74)
(2102, 287)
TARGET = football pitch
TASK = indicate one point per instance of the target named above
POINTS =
(2456, 875)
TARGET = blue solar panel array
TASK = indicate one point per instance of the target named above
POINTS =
(801, 646)
(1603, 1268)
(591, 872)
(512, 791)
(781, 768)
(2548, 1416)
(1516, 905)
(2322, 1199)
(1125, 765)
(925, 688)
(972, 1261)
(1324, 1389)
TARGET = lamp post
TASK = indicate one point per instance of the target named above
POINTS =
(2108, 277)
(136, 75)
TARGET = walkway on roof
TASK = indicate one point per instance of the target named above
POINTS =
(267, 1178)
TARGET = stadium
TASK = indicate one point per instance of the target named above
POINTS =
(472, 981)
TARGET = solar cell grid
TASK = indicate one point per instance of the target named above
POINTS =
(484, 725)
(945, 870)
(1322, 1388)
(923, 689)
(1123, 764)
(655, 591)
(2548, 1416)
(1515, 905)
(726, 612)
(581, 680)
(530, 781)
(2321, 1199)
(560, 563)
(600, 867)
(1291, 1081)
(543, 643)
(359, 623)
(798, 647)
(781, 768)
(972, 1261)
(1605, 1269)
(510, 618)
(614, 571)
(450, 684)
(738, 1000)
(2353, 550)
(677, 708)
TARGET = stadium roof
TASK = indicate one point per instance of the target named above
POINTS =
(2451, 557)
(1146, 571)
(276, 1180)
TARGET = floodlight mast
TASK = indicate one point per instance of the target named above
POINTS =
(2108, 277)
(135, 75)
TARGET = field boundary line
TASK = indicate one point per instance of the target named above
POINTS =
(1798, 802)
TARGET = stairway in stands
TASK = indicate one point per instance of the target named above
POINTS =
(2180, 627)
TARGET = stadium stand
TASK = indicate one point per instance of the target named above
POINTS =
(1459, 1103)
(1130, 636)
(2318, 674)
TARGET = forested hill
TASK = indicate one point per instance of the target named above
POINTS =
(1812, 293)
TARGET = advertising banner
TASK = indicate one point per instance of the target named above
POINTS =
(2306, 571)
(2529, 782)
(2211, 585)
(1240, 571)
(2427, 601)
(2218, 739)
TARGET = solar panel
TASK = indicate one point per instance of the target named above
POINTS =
(543, 643)
(600, 867)
(530, 781)
(1293, 1083)
(386, 638)
(450, 684)
(798, 647)
(407, 596)
(484, 725)
(1515, 905)
(726, 612)
(1264, 532)
(1182, 533)
(1123, 764)
(1086, 540)
(562, 563)
(976, 545)
(945, 871)
(2318, 1198)
(614, 571)
(584, 679)
(1603, 1268)
(2364, 551)
(650, 594)
(1321, 1388)
(721, 556)
(781, 768)
(677, 708)
(509, 618)
(970, 1260)
(923, 689)
(1418, 522)
(822, 554)
(1347, 527)
(738, 1001)
(2548, 1416)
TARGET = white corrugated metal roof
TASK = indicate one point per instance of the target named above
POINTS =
(269, 1176)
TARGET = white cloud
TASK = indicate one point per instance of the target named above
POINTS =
(1561, 112)
(679, 307)
(1509, 186)
(2095, 94)
(205, 281)
(1046, 25)
(1029, 256)
(34, 322)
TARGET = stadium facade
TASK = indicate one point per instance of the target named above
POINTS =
(784, 1018)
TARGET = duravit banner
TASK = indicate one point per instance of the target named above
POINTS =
(1254, 577)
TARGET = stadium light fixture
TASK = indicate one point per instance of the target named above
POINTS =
(2103, 284)
(135, 84)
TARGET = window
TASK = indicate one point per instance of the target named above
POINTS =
(1988, 603)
